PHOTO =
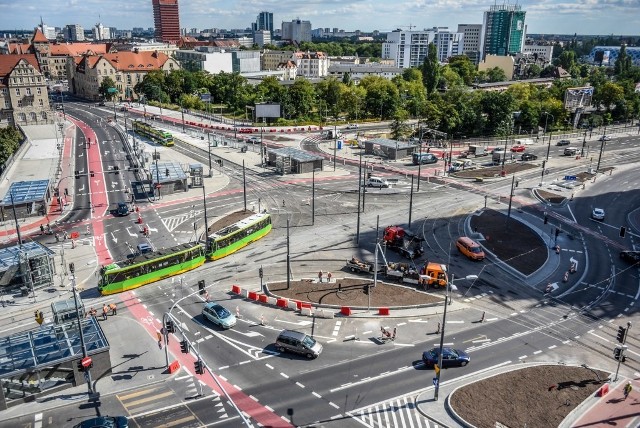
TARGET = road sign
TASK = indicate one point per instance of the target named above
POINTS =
(570, 177)
(112, 90)
(435, 381)
(436, 369)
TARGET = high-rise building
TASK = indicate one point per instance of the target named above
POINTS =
(100, 32)
(471, 41)
(503, 30)
(264, 21)
(296, 31)
(409, 48)
(74, 33)
(166, 18)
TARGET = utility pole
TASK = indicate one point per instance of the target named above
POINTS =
(411, 201)
(288, 257)
(602, 143)
(206, 221)
(313, 197)
(444, 323)
(244, 186)
(78, 319)
(335, 145)
(209, 150)
(513, 180)
(359, 193)
(155, 155)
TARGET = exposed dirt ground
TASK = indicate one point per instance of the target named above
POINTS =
(540, 396)
(494, 171)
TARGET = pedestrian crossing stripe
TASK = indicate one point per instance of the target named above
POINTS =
(396, 413)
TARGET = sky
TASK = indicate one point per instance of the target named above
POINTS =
(618, 17)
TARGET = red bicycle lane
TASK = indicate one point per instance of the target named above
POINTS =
(97, 187)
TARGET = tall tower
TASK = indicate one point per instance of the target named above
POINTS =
(166, 19)
(503, 30)
(265, 22)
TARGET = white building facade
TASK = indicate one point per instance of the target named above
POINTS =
(409, 48)
(296, 31)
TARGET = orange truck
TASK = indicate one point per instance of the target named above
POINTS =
(433, 275)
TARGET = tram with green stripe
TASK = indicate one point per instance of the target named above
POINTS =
(162, 137)
(232, 238)
(146, 268)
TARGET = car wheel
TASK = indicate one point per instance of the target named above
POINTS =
(279, 349)
(464, 363)
(309, 355)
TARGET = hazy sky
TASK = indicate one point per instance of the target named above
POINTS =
(543, 16)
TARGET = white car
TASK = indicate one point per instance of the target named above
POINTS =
(597, 214)
(604, 138)
(254, 140)
(352, 126)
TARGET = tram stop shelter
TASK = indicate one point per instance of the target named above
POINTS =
(26, 267)
(289, 160)
(389, 149)
(169, 177)
(44, 360)
(28, 198)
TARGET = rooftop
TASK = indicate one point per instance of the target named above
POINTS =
(21, 192)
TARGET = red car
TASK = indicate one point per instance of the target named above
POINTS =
(518, 148)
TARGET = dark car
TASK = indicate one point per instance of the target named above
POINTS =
(528, 157)
(630, 256)
(104, 422)
(450, 357)
(563, 143)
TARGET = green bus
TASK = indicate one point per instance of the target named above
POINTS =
(146, 268)
(232, 238)
(157, 135)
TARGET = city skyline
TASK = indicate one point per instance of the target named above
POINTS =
(618, 17)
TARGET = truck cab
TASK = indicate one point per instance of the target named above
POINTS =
(434, 275)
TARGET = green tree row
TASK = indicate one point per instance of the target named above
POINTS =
(10, 139)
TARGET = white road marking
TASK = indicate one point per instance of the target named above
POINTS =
(316, 394)
(300, 385)
(284, 375)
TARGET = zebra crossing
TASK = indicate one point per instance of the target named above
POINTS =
(173, 222)
(400, 412)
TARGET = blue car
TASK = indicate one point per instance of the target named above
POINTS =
(450, 357)
(219, 315)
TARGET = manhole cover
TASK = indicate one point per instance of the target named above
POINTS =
(150, 377)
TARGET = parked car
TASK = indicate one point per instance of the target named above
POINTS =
(604, 138)
(563, 143)
(630, 256)
(254, 140)
(219, 315)
(450, 357)
(597, 214)
(144, 248)
(352, 126)
(104, 422)
(498, 150)
(377, 182)
(518, 148)
(528, 157)
(460, 165)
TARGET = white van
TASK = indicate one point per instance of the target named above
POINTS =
(377, 182)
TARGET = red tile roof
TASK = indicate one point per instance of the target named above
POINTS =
(38, 36)
(75, 49)
(129, 61)
(9, 62)
(19, 48)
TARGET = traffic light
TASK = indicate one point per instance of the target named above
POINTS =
(92, 173)
(80, 366)
(184, 347)
(617, 354)
(199, 366)
(260, 272)
(622, 332)
(72, 268)
(546, 219)
(201, 286)
(366, 289)
(170, 326)
(77, 173)
(116, 169)
(39, 317)
(623, 231)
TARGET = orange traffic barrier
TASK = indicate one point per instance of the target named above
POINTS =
(345, 310)
(75, 235)
(235, 289)
(253, 295)
(383, 311)
(604, 389)
(282, 303)
(263, 298)
(174, 367)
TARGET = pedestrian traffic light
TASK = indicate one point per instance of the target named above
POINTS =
(116, 169)
(66, 191)
(546, 219)
(184, 347)
(77, 173)
(622, 332)
(92, 174)
(366, 289)
(617, 354)
(201, 286)
(199, 366)
(80, 366)
(623, 231)
(72, 268)
(260, 272)
(170, 326)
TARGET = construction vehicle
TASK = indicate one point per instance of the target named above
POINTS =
(402, 272)
(357, 265)
(403, 241)
(434, 275)
(477, 151)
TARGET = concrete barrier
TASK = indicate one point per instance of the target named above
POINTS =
(174, 367)
(292, 304)
(306, 311)
(272, 301)
(263, 298)
(346, 311)
(604, 389)
(244, 293)
(235, 289)
(282, 303)
(253, 295)
(383, 311)
(323, 313)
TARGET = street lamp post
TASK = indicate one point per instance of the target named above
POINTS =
(546, 118)
(444, 321)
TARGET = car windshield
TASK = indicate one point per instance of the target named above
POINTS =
(221, 312)
(308, 342)
(476, 250)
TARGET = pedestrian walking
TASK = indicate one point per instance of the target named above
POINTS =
(57, 237)
(159, 340)
(438, 330)
(114, 308)
(206, 296)
(41, 229)
(328, 276)
(320, 276)
(627, 389)
(104, 312)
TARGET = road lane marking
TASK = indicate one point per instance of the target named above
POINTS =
(300, 385)
(284, 375)
(316, 394)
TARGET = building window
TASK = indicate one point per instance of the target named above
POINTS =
(43, 115)
(18, 92)
(41, 102)
(7, 104)
(28, 91)
(39, 90)
(34, 117)
(22, 117)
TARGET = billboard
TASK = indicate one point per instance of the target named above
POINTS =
(267, 110)
(580, 97)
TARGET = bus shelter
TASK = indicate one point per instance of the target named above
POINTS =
(169, 177)
(26, 198)
(26, 267)
(389, 149)
(289, 160)
(44, 360)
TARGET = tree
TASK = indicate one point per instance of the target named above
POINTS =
(301, 95)
(623, 63)
(431, 69)
(463, 66)
(399, 128)
(496, 74)
(106, 84)
(10, 139)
